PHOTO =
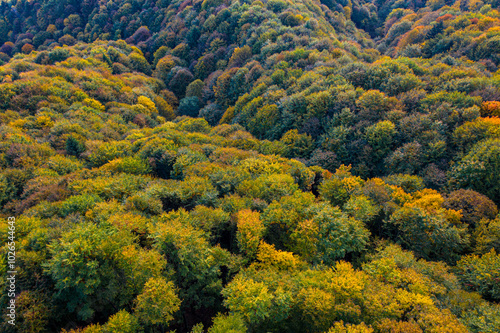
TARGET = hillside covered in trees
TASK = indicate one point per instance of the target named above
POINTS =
(250, 166)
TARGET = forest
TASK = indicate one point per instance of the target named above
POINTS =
(227, 166)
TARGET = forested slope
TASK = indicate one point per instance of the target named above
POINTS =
(284, 66)
(238, 166)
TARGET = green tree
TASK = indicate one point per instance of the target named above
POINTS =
(255, 302)
(340, 186)
(189, 106)
(268, 187)
(239, 56)
(157, 303)
(479, 170)
(85, 269)
(481, 274)
(380, 136)
(122, 322)
(139, 63)
(250, 232)
(195, 89)
(329, 235)
(228, 324)
(299, 145)
(429, 236)
(164, 66)
(197, 265)
(282, 217)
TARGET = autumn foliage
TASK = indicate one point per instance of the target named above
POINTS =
(251, 166)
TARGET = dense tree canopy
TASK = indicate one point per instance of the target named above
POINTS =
(251, 166)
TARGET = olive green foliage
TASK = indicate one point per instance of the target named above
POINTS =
(157, 302)
(250, 166)
(478, 169)
(481, 274)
